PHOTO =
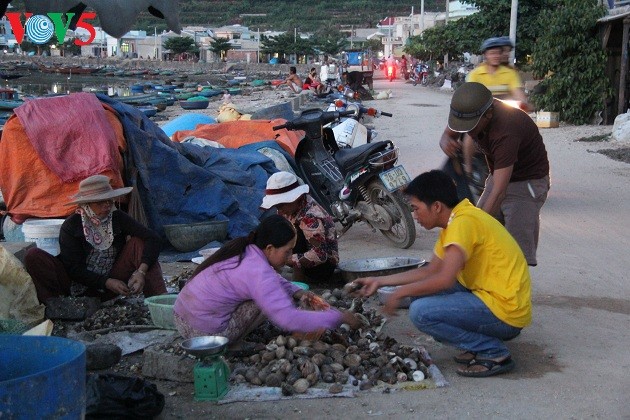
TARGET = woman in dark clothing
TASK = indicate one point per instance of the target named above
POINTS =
(104, 252)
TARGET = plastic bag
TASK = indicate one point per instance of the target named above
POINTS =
(18, 299)
(119, 396)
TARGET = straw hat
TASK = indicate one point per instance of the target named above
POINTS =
(282, 187)
(468, 104)
(97, 188)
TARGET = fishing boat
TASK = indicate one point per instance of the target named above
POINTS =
(148, 110)
(135, 99)
(209, 93)
(68, 69)
(9, 99)
(196, 102)
(10, 76)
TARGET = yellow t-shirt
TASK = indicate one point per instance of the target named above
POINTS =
(495, 269)
(501, 83)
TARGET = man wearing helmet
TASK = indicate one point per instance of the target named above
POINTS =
(503, 81)
(517, 186)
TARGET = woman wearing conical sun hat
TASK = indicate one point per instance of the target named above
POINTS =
(103, 251)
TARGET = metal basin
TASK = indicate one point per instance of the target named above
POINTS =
(208, 345)
(375, 267)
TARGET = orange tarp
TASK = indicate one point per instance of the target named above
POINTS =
(29, 188)
(233, 134)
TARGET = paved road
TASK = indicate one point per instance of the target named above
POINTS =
(573, 361)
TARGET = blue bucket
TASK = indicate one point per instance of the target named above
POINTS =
(41, 377)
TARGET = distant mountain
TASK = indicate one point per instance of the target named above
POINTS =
(305, 15)
(283, 15)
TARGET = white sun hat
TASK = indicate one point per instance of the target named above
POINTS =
(282, 187)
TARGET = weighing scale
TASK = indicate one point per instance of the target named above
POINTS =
(211, 373)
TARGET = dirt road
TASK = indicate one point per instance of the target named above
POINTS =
(573, 361)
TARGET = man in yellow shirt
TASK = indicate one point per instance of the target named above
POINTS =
(503, 81)
(475, 293)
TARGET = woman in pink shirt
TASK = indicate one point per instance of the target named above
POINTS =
(236, 288)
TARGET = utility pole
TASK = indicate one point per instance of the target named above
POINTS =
(446, 23)
(258, 45)
(513, 17)
(422, 16)
(351, 32)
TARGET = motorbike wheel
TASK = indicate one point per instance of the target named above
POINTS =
(425, 80)
(403, 232)
(415, 82)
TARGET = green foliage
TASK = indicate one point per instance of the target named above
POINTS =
(181, 44)
(576, 85)
(286, 43)
(220, 46)
(285, 15)
(467, 34)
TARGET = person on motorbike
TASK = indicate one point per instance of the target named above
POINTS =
(517, 186)
(404, 67)
(316, 252)
(391, 64)
(503, 81)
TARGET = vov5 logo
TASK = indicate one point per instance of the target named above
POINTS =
(40, 28)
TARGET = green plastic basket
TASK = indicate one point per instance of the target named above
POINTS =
(161, 310)
(12, 326)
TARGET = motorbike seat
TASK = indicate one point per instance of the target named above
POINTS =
(348, 159)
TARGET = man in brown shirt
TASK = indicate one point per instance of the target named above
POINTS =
(519, 169)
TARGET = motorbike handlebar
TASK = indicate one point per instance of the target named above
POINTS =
(279, 127)
(387, 114)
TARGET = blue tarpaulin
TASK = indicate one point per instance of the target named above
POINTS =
(186, 183)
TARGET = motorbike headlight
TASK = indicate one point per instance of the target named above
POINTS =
(354, 108)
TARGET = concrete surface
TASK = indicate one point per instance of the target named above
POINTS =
(573, 361)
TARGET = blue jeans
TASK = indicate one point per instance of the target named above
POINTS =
(459, 318)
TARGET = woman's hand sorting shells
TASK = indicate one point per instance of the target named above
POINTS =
(369, 285)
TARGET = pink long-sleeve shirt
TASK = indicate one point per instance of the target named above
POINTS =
(208, 300)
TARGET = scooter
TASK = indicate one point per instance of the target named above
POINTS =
(353, 184)
(420, 74)
(391, 73)
(351, 132)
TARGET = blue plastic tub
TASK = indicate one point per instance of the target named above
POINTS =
(187, 122)
(41, 377)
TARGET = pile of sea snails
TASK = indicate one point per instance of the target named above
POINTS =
(339, 357)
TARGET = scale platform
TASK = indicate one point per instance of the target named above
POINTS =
(211, 373)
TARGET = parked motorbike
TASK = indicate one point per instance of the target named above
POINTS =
(351, 131)
(420, 74)
(353, 184)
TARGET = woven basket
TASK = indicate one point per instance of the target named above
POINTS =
(161, 310)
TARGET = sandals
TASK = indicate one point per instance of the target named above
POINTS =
(492, 367)
(465, 357)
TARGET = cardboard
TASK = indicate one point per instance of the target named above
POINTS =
(547, 119)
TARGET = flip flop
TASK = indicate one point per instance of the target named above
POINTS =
(493, 368)
(465, 357)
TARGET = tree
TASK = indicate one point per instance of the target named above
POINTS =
(181, 44)
(492, 19)
(220, 46)
(330, 43)
(576, 83)
(286, 43)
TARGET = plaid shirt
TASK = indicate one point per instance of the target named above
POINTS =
(319, 229)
